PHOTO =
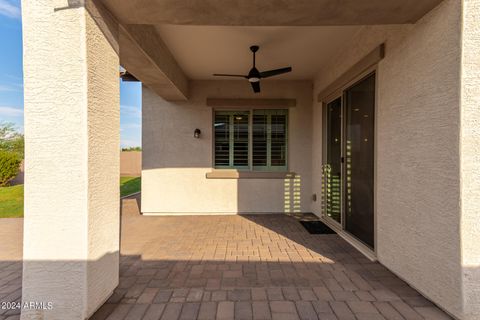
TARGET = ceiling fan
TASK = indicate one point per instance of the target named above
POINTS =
(254, 75)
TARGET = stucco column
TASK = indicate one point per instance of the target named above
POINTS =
(470, 160)
(71, 230)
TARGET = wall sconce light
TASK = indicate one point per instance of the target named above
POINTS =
(196, 133)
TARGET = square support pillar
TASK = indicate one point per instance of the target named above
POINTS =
(470, 160)
(72, 152)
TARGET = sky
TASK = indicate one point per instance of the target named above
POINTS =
(11, 80)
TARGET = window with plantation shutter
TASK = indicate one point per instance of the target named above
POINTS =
(251, 140)
(231, 139)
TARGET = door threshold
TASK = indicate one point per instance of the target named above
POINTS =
(354, 242)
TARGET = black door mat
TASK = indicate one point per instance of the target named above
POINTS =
(317, 227)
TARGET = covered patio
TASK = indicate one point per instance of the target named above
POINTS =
(371, 126)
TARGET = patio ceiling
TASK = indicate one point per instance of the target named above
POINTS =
(165, 43)
(203, 50)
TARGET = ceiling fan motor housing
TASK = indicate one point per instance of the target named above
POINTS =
(253, 75)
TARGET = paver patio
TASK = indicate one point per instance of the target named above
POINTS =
(235, 267)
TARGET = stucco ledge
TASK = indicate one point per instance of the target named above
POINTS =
(236, 174)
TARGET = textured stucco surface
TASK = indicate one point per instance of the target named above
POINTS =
(71, 237)
(103, 150)
(470, 159)
(175, 164)
(418, 190)
(417, 149)
(269, 12)
(143, 54)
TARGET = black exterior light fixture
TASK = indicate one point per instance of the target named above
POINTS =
(196, 133)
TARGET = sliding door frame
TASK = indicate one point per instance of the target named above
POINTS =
(325, 158)
(341, 93)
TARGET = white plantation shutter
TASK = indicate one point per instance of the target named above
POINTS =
(231, 139)
(260, 140)
(278, 138)
(222, 140)
(268, 142)
(240, 140)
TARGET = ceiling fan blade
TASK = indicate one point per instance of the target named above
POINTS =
(228, 75)
(271, 73)
(256, 86)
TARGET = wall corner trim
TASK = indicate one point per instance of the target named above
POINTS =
(371, 59)
(252, 103)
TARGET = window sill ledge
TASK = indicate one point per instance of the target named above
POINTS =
(235, 174)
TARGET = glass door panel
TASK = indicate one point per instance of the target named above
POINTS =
(333, 166)
(359, 160)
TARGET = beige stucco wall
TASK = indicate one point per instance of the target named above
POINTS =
(71, 227)
(417, 150)
(175, 163)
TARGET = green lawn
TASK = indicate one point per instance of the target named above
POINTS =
(129, 185)
(11, 202)
(11, 198)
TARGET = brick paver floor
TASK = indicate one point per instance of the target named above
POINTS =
(243, 267)
(250, 267)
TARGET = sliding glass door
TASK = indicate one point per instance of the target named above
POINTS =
(333, 166)
(359, 159)
(349, 160)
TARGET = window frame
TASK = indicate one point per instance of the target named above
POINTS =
(250, 112)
